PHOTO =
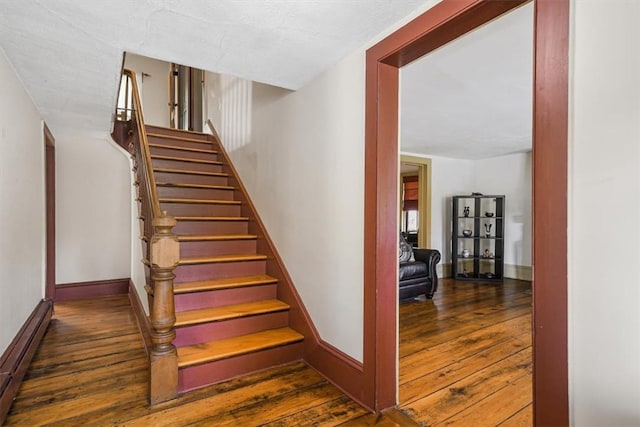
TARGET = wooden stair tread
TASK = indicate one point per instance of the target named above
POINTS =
(222, 258)
(211, 218)
(236, 346)
(226, 283)
(175, 147)
(190, 172)
(195, 132)
(185, 159)
(227, 312)
(187, 185)
(202, 201)
(178, 138)
(215, 237)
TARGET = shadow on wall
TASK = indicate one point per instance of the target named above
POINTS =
(518, 217)
(235, 103)
(232, 103)
(446, 241)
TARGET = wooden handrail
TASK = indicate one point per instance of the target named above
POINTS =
(161, 257)
(144, 143)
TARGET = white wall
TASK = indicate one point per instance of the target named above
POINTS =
(137, 268)
(154, 88)
(22, 204)
(96, 219)
(510, 175)
(604, 207)
(449, 177)
(301, 157)
(93, 205)
(212, 100)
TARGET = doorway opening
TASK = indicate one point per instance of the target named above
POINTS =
(172, 95)
(415, 211)
(439, 25)
(186, 97)
(474, 121)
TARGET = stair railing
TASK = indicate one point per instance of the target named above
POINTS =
(162, 252)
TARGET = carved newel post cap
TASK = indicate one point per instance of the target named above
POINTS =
(165, 248)
(164, 221)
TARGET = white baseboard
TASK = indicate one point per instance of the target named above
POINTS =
(443, 270)
(519, 272)
(511, 271)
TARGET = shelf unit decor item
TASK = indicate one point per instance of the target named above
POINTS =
(477, 237)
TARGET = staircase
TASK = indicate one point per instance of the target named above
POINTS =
(228, 319)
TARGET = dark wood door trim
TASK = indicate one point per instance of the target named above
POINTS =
(50, 206)
(437, 26)
(549, 255)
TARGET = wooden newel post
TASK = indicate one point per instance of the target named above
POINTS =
(165, 253)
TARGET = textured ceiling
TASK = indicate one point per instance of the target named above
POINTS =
(472, 98)
(469, 99)
(68, 52)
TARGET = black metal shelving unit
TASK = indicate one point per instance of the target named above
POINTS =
(480, 255)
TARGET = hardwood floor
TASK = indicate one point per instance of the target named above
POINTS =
(465, 359)
(91, 370)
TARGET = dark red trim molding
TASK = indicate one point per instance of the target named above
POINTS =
(386, 297)
(85, 290)
(50, 189)
(437, 26)
(337, 367)
(17, 357)
(5, 380)
(144, 325)
(550, 159)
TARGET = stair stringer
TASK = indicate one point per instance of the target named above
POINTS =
(337, 367)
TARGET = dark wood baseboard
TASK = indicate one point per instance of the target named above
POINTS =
(340, 369)
(85, 290)
(144, 326)
(17, 357)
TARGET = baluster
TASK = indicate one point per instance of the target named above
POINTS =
(165, 253)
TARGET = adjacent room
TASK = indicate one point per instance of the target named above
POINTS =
(465, 180)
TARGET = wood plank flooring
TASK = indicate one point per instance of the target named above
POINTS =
(465, 357)
(465, 360)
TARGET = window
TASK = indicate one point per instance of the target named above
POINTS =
(410, 221)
